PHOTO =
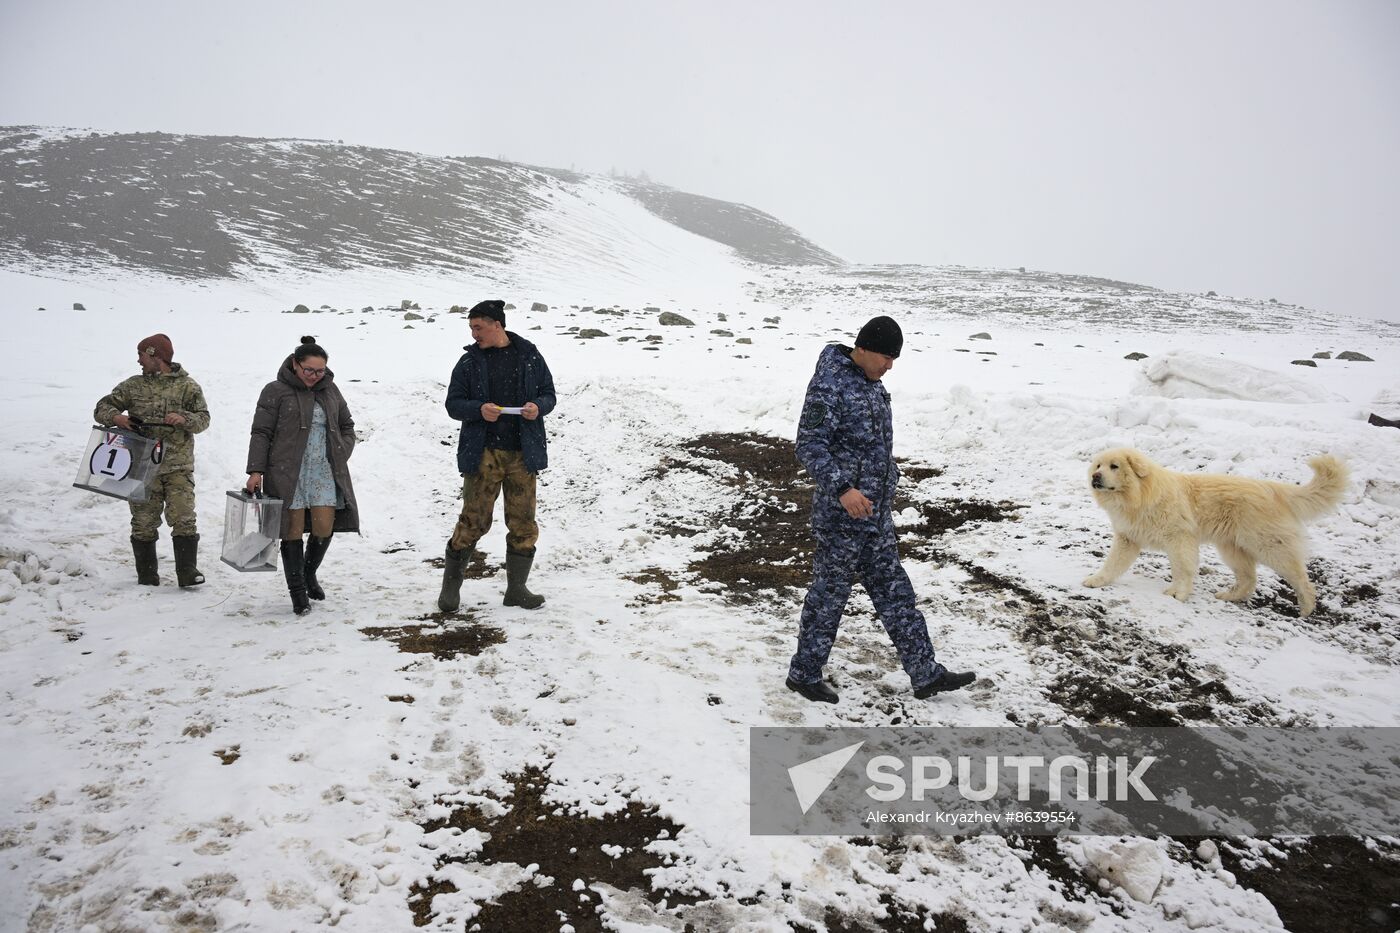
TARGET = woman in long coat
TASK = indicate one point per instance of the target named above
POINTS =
(299, 452)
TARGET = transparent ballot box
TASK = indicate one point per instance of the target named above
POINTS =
(119, 463)
(252, 531)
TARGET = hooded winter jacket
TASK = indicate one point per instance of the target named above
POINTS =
(469, 390)
(148, 399)
(281, 427)
(846, 440)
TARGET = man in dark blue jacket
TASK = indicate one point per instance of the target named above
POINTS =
(501, 390)
(846, 443)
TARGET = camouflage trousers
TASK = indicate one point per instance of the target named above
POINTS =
(872, 557)
(499, 469)
(173, 492)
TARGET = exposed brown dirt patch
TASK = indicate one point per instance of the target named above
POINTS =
(447, 637)
(567, 845)
(1317, 885)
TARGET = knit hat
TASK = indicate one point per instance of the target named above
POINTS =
(881, 335)
(494, 308)
(157, 345)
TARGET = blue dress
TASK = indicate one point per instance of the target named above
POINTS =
(315, 485)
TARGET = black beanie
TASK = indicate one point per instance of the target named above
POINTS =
(881, 335)
(495, 309)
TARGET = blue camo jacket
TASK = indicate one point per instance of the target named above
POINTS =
(846, 438)
(468, 391)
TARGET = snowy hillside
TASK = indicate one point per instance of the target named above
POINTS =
(204, 760)
(224, 207)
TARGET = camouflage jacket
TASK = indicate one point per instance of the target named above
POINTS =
(150, 399)
(846, 440)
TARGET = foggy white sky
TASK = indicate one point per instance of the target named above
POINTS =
(1250, 146)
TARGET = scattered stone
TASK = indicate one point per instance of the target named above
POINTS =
(408, 327)
(773, 320)
(588, 333)
(1322, 355)
(1021, 269)
(367, 309)
(650, 309)
(982, 336)
(672, 319)
(508, 307)
(406, 305)
(1312, 363)
(722, 333)
(1135, 355)
(744, 340)
(1211, 294)
(539, 307)
(1354, 357)
(301, 309)
(78, 306)
(723, 316)
(410, 316)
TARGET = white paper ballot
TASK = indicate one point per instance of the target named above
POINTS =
(512, 411)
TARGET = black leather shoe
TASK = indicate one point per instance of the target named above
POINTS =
(945, 683)
(817, 692)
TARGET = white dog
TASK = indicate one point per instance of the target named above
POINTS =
(1250, 521)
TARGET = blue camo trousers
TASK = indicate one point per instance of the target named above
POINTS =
(873, 557)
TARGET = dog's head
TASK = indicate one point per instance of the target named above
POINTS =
(1118, 470)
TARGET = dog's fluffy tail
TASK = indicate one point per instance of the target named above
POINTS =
(1324, 492)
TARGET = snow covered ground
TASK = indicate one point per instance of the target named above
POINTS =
(202, 759)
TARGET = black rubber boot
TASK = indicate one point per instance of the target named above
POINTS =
(315, 552)
(187, 560)
(453, 563)
(517, 572)
(945, 682)
(147, 564)
(294, 568)
(818, 692)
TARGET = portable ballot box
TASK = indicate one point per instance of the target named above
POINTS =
(119, 463)
(252, 531)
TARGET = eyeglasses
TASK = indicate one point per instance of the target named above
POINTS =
(308, 371)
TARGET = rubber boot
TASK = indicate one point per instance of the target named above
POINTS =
(187, 560)
(294, 568)
(945, 682)
(453, 563)
(517, 572)
(315, 551)
(147, 564)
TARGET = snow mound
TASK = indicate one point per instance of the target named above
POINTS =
(1182, 374)
(1135, 865)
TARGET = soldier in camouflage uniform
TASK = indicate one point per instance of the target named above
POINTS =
(497, 450)
(846, 443)
(163, 403)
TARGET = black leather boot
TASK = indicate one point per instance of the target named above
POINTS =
(517, 572)
(187, 560)
(315, 551)
(453, 563)
(294, 568)
(817, 692)
(147, 564)
(945, 682)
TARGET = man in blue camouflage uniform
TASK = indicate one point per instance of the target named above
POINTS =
(846, 443)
